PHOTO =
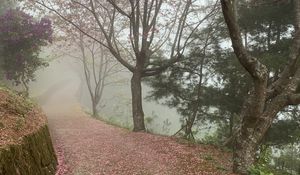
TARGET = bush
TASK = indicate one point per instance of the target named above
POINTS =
(262, 165)
(259, 170)
(22, 38)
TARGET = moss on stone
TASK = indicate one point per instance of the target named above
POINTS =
(35, 156)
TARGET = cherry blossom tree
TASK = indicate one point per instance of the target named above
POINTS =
(134, 31)
(99, 67)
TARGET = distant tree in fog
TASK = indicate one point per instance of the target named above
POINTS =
(99, 67)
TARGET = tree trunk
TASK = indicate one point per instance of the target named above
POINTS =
(94, 108)
(137, 108)
(244, 152)
(278, 34)
(231, 125)
(26, 92)
(197, 104)
(251, 132)
(26, 88)
(269, 37)
(188, 129)
(246, 38)
(266, 101)
(189, 125)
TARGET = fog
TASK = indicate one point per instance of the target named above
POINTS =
(60, 89)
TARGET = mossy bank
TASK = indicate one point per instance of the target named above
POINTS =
(25, 143)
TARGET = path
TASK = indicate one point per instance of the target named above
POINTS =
(91, 147)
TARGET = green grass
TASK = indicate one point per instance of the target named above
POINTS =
(16, 103)
(110, 121)
(208, 157)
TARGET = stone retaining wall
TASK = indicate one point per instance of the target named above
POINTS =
(35, 156)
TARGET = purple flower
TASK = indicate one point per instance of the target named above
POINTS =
(18, 27)
(21, 37)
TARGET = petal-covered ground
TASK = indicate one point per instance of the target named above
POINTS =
(86, 146)
(91, 147)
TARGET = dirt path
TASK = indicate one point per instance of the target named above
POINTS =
(90, 147)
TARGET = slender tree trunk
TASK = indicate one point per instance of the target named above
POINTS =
(278, 35)
(94, 108)
(191, 119)
(189, 125)
(269, 37)
(26, 92)
(26, 89)
(197, 105)
(137, 108)
(246, 38)
(231, 125)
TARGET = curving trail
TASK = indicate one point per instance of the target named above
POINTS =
(86, 146)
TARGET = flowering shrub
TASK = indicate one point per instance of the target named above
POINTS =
(21, 38)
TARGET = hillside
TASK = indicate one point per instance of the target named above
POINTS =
(18, 117)
(25, 143)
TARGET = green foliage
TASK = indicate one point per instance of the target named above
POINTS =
(149, 122)
(288, 161)
(259, 170)
(17, 104)
(264, 156)
(112, 120)
(221, 168)
(19, 124)
(184, 86)
(262, 166)
(267, 26)
(115, 122)
(213, 139)
(284, 131)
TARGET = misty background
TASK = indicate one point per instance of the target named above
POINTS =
(63, 81)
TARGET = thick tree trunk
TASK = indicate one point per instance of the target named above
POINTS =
(251, 132)
(244, 152)
(266, 101)
(137, 108)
